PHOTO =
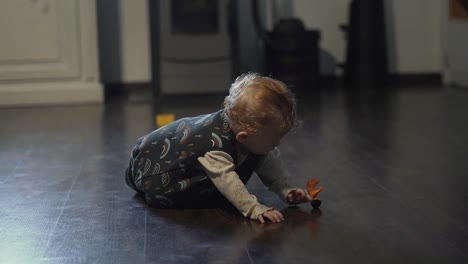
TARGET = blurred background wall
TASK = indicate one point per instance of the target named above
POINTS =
(110, 42)
(414, 34)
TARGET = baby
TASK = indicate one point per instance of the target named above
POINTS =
(205, 159)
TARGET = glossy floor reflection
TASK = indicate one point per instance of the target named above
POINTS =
(393, 164)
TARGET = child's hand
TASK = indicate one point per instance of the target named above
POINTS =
(272, 215)
(298, 196)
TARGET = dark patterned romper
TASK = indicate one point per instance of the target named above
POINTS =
(164, 168)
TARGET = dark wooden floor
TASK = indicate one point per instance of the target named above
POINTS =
(394, 166)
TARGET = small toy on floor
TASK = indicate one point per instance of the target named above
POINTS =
(314, 192)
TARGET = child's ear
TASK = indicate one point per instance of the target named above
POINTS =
(242, 136)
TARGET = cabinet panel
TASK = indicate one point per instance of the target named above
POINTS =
(39, 39)
(48, 52)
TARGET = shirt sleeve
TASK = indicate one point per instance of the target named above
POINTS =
(274, 175)
(220, 169)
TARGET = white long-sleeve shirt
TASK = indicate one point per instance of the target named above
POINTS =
(220, 168)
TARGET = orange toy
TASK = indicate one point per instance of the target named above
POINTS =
(314, 192)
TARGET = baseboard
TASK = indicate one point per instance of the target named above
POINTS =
(119, 89)
(429, 78)
(400, 79)
(324, 82)
(50, 93)
(143, 92)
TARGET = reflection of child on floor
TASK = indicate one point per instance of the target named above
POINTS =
(201, 160)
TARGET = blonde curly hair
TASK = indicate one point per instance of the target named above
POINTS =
(253, 100)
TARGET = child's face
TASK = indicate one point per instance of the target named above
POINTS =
(266, 138)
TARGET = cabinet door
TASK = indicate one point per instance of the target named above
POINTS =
(39, 40)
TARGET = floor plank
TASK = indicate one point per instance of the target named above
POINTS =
(393, 164)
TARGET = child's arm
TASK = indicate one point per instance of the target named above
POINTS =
(274, 176)
(219, 167)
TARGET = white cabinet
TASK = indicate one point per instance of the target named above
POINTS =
(48, 52)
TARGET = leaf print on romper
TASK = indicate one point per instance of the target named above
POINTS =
(180, 126)
(166, 148)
